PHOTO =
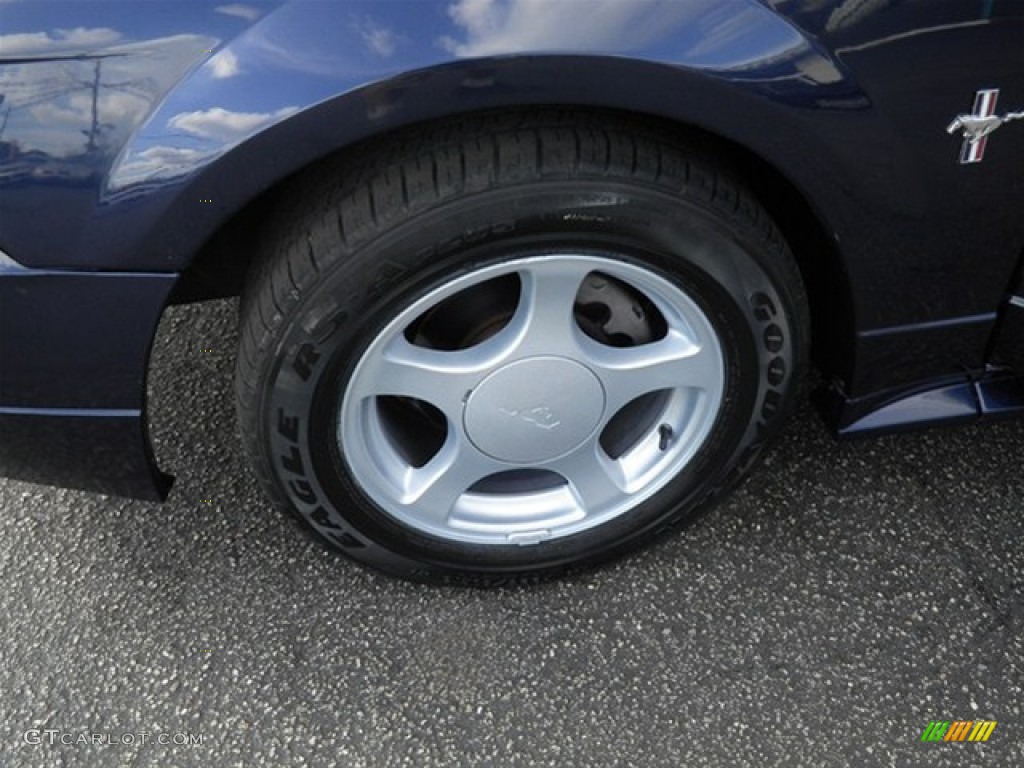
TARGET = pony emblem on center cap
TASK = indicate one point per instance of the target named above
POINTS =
(541, 416)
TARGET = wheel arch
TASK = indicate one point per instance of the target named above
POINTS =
(220, 265)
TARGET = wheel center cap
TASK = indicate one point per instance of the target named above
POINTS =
(534, 410)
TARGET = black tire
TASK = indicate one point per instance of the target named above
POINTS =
(359, 240)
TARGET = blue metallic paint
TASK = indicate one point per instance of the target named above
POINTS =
(1009, 343)
(73, 391)
(132, 132)
(95, 356)
(105, 451)
(304, 80)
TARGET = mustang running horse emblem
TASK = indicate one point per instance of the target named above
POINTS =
(977, 126)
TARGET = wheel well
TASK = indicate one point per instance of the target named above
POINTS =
(219, 268)
(817, 255)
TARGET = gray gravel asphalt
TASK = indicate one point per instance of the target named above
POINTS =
(822, 615)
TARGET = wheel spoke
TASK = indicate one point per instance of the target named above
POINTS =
(431, 491)
(594, 479)
(438, 377)
(674, 361)
(543, 322)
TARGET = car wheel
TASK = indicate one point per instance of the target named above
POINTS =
(512, 347)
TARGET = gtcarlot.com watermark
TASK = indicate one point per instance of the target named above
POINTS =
(53, 737)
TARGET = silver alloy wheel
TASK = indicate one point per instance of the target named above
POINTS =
(524, 452)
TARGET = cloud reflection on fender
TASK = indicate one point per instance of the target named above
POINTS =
(219, 129)
(724, 34)
(242, 89)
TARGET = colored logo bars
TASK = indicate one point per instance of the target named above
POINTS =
(958, 730)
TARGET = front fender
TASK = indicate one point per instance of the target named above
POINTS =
(297, 81)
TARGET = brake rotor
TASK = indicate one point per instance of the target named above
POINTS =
(609, 312)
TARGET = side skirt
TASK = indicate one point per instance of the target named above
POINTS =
(997, 394)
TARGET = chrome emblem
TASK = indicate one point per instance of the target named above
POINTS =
(976, 127)
(541, 416)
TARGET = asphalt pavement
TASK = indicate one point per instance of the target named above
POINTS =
(841, 599)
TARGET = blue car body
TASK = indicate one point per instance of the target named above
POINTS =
(140, 141)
